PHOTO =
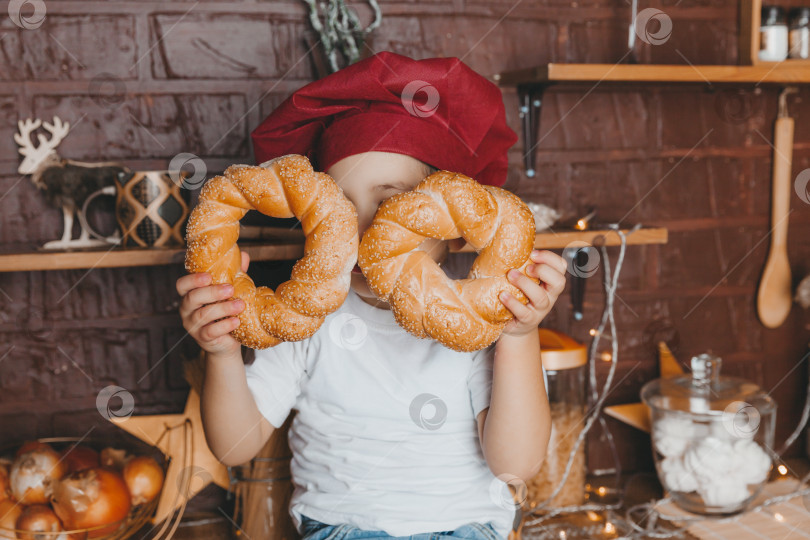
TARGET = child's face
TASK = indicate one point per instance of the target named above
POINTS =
(371, 177)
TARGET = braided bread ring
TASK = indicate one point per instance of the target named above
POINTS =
(466, 314)
(283, 187)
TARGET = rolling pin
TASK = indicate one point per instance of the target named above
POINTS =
(774, 296)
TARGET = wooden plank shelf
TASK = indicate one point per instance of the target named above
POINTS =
(786, 72)
(598, 237)
(563, 238)
(118, 257)
(532, 82)
(292, 248)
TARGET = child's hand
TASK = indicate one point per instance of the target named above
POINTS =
(207, 314)
(549, 268)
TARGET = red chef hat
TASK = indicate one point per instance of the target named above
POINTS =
(436, 110)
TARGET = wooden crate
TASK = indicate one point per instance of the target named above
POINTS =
(750, 14)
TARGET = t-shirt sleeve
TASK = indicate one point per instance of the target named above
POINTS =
(276, 377)
(480, 379)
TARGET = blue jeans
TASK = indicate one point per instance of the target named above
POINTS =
(315, 530)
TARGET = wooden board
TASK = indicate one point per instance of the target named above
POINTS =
(748, 43)
(563, 238)
(117, 258)
(291, 248)
(794, 72)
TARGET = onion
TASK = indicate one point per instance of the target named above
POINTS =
(144, 478)
(27, 446)
(91, 498)
(5, 485)
(38, 518)
(9, 512)
(33, 473)
(113, 457)
(77, 458)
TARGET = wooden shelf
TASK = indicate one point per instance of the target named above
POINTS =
(786, 72)
(563, 238)
(291, 249)
(117, 257)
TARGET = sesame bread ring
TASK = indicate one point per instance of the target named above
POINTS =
(283, 187)
(465, 314)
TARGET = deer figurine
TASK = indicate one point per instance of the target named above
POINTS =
(66, 183)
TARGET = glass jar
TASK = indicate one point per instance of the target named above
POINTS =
(773, 35)
(263, 489)
(564, 361)
(711, 437)
(800, 33)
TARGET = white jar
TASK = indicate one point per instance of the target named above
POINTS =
(773, 35)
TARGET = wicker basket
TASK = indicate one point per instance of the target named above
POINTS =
(138, 516)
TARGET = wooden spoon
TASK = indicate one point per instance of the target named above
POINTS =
(774, 298)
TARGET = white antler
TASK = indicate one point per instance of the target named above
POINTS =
(35, 155)
(23, 138)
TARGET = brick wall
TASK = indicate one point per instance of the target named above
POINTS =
(143, 81)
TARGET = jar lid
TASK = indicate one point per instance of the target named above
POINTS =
(772, 15)
(559, 351)
(705, 392)
(800, 16)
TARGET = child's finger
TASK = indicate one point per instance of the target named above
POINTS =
(550, 258)
(514, 305)
(555, 281)
(535, 293)
(199, 297)
(192, 281)
(245, 261)
(218, 329)
(214, 312)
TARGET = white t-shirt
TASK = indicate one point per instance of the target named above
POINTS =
(386, 436)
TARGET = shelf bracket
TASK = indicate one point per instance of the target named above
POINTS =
(531, 101)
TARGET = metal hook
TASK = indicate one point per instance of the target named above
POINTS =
(783, 112)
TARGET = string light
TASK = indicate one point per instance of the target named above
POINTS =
(609, 528)
(584, 223)
(779, 517)
(606, 356)
(595, 332)
(541, 513)
(782, 470)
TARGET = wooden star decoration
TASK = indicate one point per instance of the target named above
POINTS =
(638, 414)
(181, 438)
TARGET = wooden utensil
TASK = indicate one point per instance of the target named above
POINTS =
(774, 296)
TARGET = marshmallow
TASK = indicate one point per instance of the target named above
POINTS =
(676, 476)
(672, 435)
(709, 458)
(727, 491)
(752, 463)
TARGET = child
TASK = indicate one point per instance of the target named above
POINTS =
(394, 435)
